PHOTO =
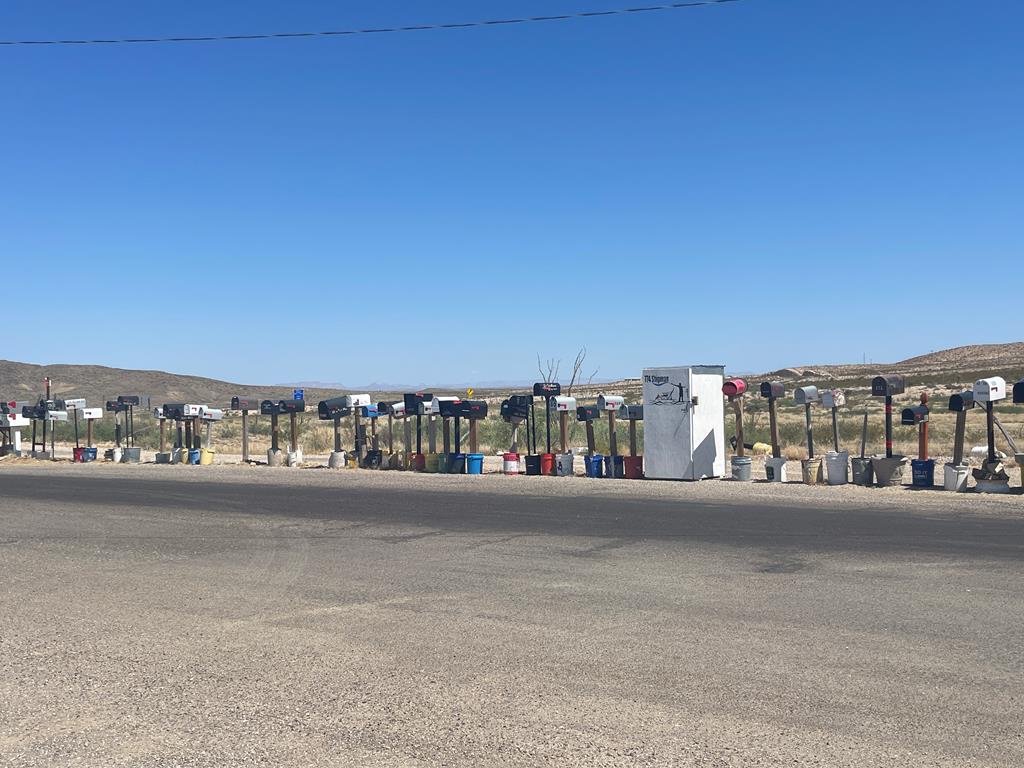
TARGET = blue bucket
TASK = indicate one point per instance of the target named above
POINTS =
(456, 463)
(89, 454)
(594, 465)
(475, 464)
(614, 466)
(193, 457)
(922, 473)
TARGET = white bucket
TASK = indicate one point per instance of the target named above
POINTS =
(295, 458)
(954, 478)
(775, 469)
(274, 458)
(837, 466)
(337, 460)
(117, 455)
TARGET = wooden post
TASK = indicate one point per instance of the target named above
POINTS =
(958, 439)
(446, 435)
(163, 435)
(514, 448)
(613, 442)
(294, 423)
(632, 437)
(274, 441)
(737, 404)
(473, 443)
(245, 437)
(360, 442)
(88, 434)
(590, 439)
(563, 427)
(337, 434)
(373, 435)
(391, 434)
(432, 435)
(407, 428)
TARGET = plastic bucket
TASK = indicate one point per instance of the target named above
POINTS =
(374, 459)
(594, 465)
(206, 457)
(811, 471)
(116, 454)
(888, 472)
(532, 465)
(741, 468)
(564, 465)
(863, 474)
(194, 456)
(510, 464)
(954, 478)
(78, 455)
(88, 454)
(456, 463)
(547, 463)
(418, 462)
(475, 464)
(775, 469)
(432, 462)
(442, 463)
(634, 467)
(922, 473)
(837, 467)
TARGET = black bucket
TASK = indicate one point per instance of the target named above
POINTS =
(373, 459)
(456, 463)
(532, 465)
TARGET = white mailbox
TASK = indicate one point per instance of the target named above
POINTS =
(398, 410)
(14, 421)
(158, 412)
(562, 404)
(355, 401)
(90, 414)
(56, 415)
(805, 395)
(610, 402)
(212, 414)
(989, 390)
(833, 398)
(77, 404)
(192, 409)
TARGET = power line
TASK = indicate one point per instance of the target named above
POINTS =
(377, 31)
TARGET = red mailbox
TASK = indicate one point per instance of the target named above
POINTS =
(734, 387)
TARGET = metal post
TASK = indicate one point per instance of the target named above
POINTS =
(446, 434)
(888, 426)
(458, 435)
(547, 421)
(245, 437)
(991, 430)
(810, 431)
(922, 433)
(835, 428)
(773, 418)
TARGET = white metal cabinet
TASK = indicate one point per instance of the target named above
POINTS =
(684, 422)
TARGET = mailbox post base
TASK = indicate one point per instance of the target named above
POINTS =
(337, 460)
(775, 469)
(163, 458)
(275, 458)
(954, 477)
(888, 471)
(295, 458)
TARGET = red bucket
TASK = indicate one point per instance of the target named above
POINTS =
(633, 467)
(547, 463)
(419, 462)
(79, 454)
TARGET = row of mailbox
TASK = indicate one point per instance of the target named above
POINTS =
(985, 390)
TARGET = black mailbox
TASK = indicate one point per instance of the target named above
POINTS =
(632, 412)
(245, 404)
(914, 416)
(472, 409)
(887, 386)
(449, 408)
(962, 402)
(329, 410)
(1018, 392)
(34, 412)
(547, 389)
(175, 411)
(57, 405)
(384, 408)
(270, 408)
(113, 406)
(514, 408)
(587, 413)
(413, 401)
(129, 400)
(773, 389)
(292, 406)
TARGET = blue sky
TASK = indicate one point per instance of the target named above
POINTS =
(764, 183)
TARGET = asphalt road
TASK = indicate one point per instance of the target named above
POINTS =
(145, 622)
